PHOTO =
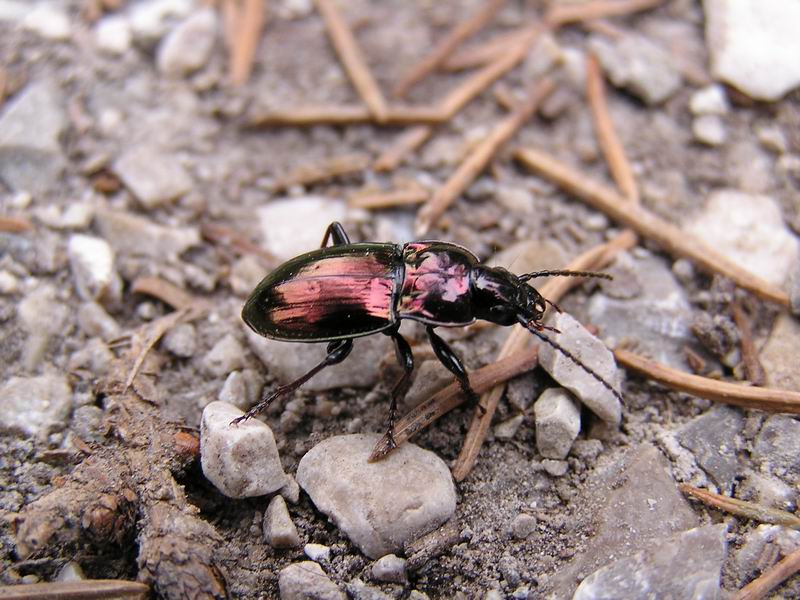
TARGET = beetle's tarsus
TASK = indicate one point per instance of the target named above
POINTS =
(564, 273)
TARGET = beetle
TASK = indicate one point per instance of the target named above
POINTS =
(344, 291)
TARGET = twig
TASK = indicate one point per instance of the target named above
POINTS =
(452, 396)
(167, 292)
(607, 137)
(328, 169)
(771, 578)
(306, 116)
(519, 338)
(767, 399)
(14, 224)
(742, 508)
(447, 46)
(404, 145)
(480, 55)
(352, 59)
(89, 589)
(249, 22)
(477, 160)
(753, 369)
(562, 14)
(672, 239)
(401, 197)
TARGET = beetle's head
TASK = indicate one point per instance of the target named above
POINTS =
(500, 297)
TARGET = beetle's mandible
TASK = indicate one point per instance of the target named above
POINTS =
(340, 292)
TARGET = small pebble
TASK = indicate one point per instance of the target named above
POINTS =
(290, 491)
(96, 322)
(227, 355)
(9, 284)
(71, 571)
(188, 47)
(508, 429)
(49, 21)
(113, 34)
(389, 568)
(523, 526)
(771, 137)
(35, 405)
(709, 130)
(234, 391)
(92, 262)
(556, 468)
(317, 552)
(358, 590)
(240, 460)
(153, 175)
(125, 233)
(307, 581)
(558, 422)
(710, 100)
(87, 423)
(279, 530)
(181, 340)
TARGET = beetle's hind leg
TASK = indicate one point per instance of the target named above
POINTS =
(450, 360)
(406, 360)
(337, 232)
(337, 352)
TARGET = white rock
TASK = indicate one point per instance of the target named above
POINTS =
(240, 460)
(181, 341)
(279, 530)
(523, 526)
(129, 234)
(558, 422)
(592, 353)
(9, 284)
(771, 137)
(74, 216)
(92, 262)
(749, 230)
(638, 65)
(317, 552)
(754, 45)
(188, 47)
(292, 226)
(555, 468)
(709, 130)
(389, 568)
(227, 355)
(43, 316)
(113, 34)
(71, 571)
(35, 405)
(508, 428)
(154, 176)
(710, 100)
(149, 18)
(49, 21)
(234, 391)
(306, 581)
(96, 322)
(382, 505)
(291, 490)
(14, 10)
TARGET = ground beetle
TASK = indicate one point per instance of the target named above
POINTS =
(344, 291)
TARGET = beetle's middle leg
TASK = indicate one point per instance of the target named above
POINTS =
(406, 359)
(337, 351)
(337, 232)
(450, 360)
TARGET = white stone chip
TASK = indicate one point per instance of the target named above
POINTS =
(35, 405)
(317, 552)
(49, 21)
(153, 175)
(709, 130)
(390, 568)
(710, 100)
(306, 580)
(381, 505)
(279, 530)
(227, 355)
(92, 262)
(188, 47)
(240, 460)
(113, 34)
(558, 422)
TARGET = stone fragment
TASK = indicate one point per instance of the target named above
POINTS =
(380, 506)
(87, 423)
(112, 34)
(508, 428)
(35, 405)
(94, 356)
(558, 422)
(150, 18)
(234, 391)
(748, 229)
(390, 568)
(49, 21)
(771, 136)
(43, 316)
(779, 355)
(754, 45)
(288, 361)
(76, 215)
(132, 235)
(71, 571)
(227, 355)
(188, 47)
(592, 353)
(96, 322)
(555, 468)
(318, 552)
(639, 65)
(291, 490)
(307, 581)
(710, 100)
(777, 447)
(152, 175)
(686, 566)
(523, 525)
(292, 226)
(240, 460)
(709, 130)
(358, 590)
(715, 440)
(659, 317)
(767, 491)
(181, 340)
(31, 125)
(9, 284)
(92, 263)
(279, 530)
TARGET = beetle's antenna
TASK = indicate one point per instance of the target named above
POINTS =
(563, 273)
(533, 328)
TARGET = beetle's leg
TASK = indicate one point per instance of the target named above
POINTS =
(337, 352)
(406, 359)
(337, 232)
(453, 364)
(564, 273)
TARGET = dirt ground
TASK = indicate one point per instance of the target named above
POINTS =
(130, 453)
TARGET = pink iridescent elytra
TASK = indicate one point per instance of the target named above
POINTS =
(352, 290)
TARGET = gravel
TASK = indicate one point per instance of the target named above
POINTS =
(307, 581)
(279, 530)
(36, 405)
(558, 421)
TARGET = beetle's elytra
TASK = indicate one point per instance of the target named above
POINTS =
(340, 292)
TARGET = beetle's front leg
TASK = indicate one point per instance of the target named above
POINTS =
(337, 352)
(450, 360)
(337, 232)
(406, 360)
